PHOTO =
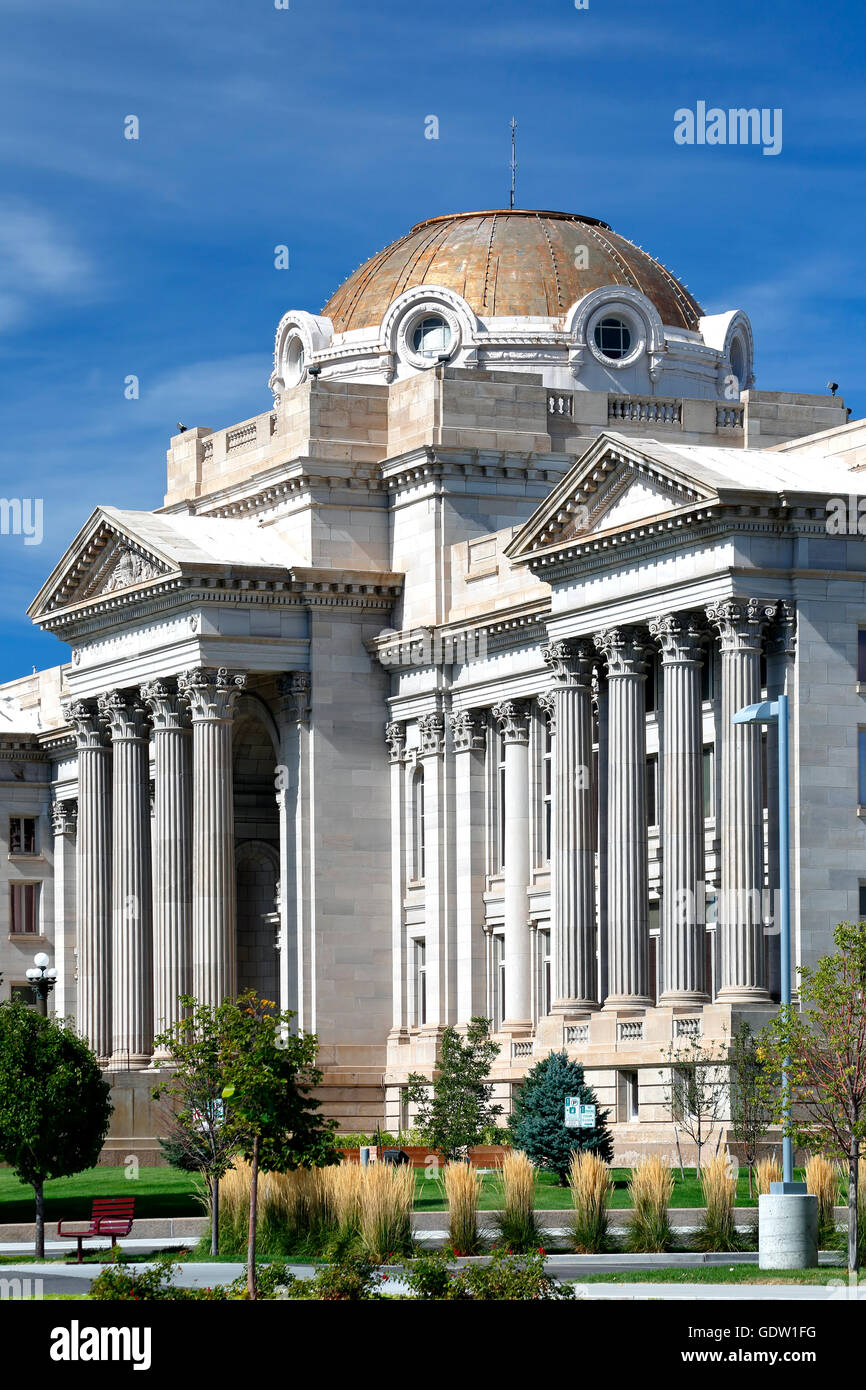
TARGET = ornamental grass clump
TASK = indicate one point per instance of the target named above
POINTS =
(767, 1170)
(651, 1189)
(234, 1208)
(292, 1210)
(822, 1180)
(718, 1230)
(517, 1225)
(589, 1180)
(463, 1193)
(341, 1195)
(387, 1198)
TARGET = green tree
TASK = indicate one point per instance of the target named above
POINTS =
(455, 1116)
(269, 1073)
(750, 1113)
(199, 1137)
(54, 1102)
(697, 1093)
(538, 1119)
(822, 1047)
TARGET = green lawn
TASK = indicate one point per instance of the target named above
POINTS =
(157, 1192)
(551, 1197)
(720, 1274)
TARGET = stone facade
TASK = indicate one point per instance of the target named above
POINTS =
(413, 702)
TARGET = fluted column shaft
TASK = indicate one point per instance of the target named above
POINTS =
(513, 718)
(93, 886)
(468, 735)
(624, 650)
(172, 852)
(211, 696)
(572, 860)
(743, 977)
(683, 929)
(132, 940)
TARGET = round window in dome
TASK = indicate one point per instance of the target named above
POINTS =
(613, 338)
(295, 362)
(431, 336)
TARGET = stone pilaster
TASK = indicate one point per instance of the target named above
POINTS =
(395, 738)
(513, 718)
(64, 821)
(781, 647)
(172, 851)
(683, 929)
(211, 695)
(438, 872)
(625, 652)
(132, 928)
(572, 860)
(93, 893)
(741, 626)
(468, 735)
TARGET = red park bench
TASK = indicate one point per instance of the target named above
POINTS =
(109, 1216)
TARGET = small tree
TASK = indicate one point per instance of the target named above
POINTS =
(697, 1092)
(823, 1049)
(54, 1102)
(750, 1113)
(460, 1108)
(269, 1073)
(538, 1119)
(196, 1125)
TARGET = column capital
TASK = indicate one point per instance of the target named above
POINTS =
(571, 661)
(123, 715)
(83, 716)
(64, 816)
(782, 638)
(395, 737)
(168, 711)
(467, 731)
(625, 650)
(547, 704)
(211, 694)
(741, 623)
(431, 729)
(679, 636)
(512, 716)
(294, 691)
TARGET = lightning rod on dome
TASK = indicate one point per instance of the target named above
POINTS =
(513, 159)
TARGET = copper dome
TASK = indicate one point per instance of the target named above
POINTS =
(508, 263)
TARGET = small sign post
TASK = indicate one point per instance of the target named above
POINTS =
(586, 1117)
(572, 1112)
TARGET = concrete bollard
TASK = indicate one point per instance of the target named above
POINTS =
(787, 1230)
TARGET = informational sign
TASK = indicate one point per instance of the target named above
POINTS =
(586, 1117)
(572, 1112)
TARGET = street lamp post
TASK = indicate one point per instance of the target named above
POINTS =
(43, 978)
(776, 712)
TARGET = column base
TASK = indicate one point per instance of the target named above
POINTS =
(616, 1003)
(129, 1061)
(683, 998)
(574, 1006)
(516, 1025)
(743, 994)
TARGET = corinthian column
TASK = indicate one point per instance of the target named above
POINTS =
(212, 695)
(741, 627)
(683, 930)
(93, 889)
(468, 735)
(172, 850)
(132, 952)
(572, 861)
(513, 718)
(625, 651)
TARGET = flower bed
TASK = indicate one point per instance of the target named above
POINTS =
(484, 1156)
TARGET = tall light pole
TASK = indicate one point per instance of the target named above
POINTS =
(42, 977)
(776, 712)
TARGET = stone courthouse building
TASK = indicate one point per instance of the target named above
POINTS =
(414, 700)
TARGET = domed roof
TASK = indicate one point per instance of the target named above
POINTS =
(509, 263)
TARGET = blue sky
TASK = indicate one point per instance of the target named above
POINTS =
(305, 126)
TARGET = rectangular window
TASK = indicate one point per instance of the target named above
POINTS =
(765, 784)
(651, 688)
(708, 675)
(498, 981)
(547, 790)
(420, 983)
(22, 994)
(652, 791)
(863, 902)
(22, 835)
(628, 1106)
(544, 999)
(500, 786)
(23, 914)
(861, 766)
(861, 656)
(709, 782)
(654, 961)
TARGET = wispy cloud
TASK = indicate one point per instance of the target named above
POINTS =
(39, 260)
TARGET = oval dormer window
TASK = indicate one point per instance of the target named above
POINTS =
(296, 359)
(431, 336)
(613, 338)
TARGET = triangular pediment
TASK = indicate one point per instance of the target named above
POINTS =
(615, 484)
(106, 557)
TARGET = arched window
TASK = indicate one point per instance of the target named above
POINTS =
(418, 824)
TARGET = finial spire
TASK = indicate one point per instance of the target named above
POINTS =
(513, 159)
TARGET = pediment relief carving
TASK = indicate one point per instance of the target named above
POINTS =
(109, 563)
